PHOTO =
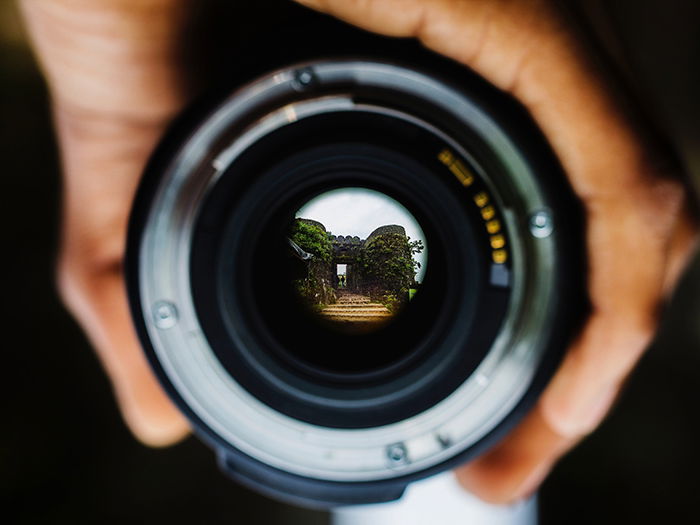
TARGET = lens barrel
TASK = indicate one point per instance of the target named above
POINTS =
(294, 407)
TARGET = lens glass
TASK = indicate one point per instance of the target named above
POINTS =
(361, 255)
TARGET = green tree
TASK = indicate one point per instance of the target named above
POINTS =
(316, 288)
(312, 239)
(387, 262)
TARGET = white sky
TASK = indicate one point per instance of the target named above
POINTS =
(359, 211)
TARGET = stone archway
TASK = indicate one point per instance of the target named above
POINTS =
(348, 250)
(369, 292)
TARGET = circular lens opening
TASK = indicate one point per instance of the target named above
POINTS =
(279, 345)
(362, 258)
(258, 314)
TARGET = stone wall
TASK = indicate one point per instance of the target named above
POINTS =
(347, 249)
(387, 230)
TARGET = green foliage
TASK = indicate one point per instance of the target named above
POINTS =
(312, 239)
(392, 302)
(387, 261)
(316, 288)
(385, 267)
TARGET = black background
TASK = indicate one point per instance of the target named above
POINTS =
(65, 455)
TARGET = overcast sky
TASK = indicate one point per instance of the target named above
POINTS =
(358, 211)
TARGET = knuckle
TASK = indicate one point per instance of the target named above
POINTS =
(622, 335)
(659, 197)
(79, 273)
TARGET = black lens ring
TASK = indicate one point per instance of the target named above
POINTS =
(568, 303)
(334, 406)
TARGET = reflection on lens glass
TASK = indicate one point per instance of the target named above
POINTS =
(363, 258)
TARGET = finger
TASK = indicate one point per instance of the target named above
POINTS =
(632, 250)
(115, 77)
(114, 58)
(580, 395)
(517, 466)
(684, 245)
(96, 212)
(527, 49)
(465, 30)
(98, 301)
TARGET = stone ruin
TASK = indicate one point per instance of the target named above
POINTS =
(346, 250)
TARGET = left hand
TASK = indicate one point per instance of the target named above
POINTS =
(115, 79)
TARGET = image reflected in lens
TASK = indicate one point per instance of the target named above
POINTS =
(362, 258)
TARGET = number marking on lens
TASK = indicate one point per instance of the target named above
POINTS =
(445, 441)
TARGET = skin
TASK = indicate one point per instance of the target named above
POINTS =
(115, 77)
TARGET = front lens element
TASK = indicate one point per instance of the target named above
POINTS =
(361, 258)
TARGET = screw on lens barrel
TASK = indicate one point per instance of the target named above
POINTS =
(165, 314)
(397, 454)
(541, 224)
(304, 78)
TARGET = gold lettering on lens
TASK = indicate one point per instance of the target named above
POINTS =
(489, 212)
(457, 167)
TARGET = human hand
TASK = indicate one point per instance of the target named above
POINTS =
(639, 230)
(114, 77)
(115, 81)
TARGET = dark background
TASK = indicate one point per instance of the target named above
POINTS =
(65, 455)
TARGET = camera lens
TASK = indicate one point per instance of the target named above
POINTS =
(349, 258)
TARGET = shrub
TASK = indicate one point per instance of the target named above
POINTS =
(316, 287)
(387, 262)
(312, 239)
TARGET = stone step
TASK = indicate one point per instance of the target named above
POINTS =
(355, 308)
(373, 308)
(352, 297)
(374, 313)
(358, 317)
(369, 306)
